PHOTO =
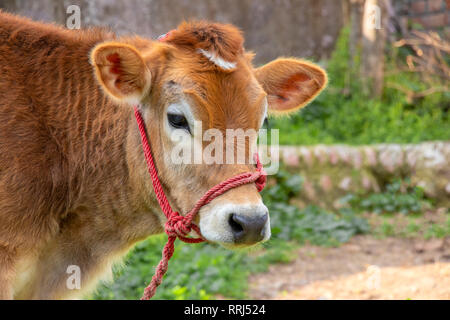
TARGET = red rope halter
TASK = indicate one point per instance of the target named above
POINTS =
(178, 226)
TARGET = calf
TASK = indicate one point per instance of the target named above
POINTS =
(74, 186)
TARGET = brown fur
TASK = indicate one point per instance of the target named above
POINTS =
(224, 40)
(74, 187)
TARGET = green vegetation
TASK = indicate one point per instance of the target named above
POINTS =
(393, 200)
(343, 114)
(411, 226)
(438, 230)
(312, 224)
(400, 211)
(204, 270)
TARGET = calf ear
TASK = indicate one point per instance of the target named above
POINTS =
(290, 84)
(121, 71)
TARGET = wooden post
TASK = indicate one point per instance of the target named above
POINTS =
(374, 35)
(356, 10)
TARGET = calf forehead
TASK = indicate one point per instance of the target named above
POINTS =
(222, 100)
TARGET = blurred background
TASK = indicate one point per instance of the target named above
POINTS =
(360, 207)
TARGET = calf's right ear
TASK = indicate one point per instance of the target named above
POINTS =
(121, 72)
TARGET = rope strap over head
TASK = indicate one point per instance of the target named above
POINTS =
(178, 226)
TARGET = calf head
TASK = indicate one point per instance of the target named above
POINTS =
(199, 79)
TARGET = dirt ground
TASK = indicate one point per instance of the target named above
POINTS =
(364, 268)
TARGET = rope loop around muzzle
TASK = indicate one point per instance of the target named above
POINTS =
(179, 226)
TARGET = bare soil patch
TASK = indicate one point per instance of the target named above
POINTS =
(363, 268)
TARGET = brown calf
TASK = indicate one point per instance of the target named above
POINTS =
(74, 186)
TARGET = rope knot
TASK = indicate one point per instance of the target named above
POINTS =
(178, 226)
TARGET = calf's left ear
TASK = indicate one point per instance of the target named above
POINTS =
(290, 83)
(121, 71)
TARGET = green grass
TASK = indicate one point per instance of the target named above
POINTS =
(437, 230)
(413, 226)
(399, 197)
(398, 211)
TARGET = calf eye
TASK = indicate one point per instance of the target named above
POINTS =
(178, 121)
(266, 124)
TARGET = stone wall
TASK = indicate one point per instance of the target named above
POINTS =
(331, 172)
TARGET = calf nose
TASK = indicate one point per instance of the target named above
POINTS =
(247, 229)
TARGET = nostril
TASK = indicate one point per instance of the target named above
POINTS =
(247, 229)
(236, 227)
